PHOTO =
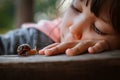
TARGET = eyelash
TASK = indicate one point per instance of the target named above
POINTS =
(93, 26)
(97, 30)
(74, 8)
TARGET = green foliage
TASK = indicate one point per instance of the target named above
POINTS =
(7, 12)
(46, 6)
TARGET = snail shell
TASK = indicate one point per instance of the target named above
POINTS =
(23, 49)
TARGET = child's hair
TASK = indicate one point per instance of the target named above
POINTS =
(62, 5)
(114, 12)
(96, 5)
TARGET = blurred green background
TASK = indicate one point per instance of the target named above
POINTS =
(43, 9)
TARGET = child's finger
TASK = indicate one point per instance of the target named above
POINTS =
(98, 47)
(79, 48)
(59, 48)
(49, 46)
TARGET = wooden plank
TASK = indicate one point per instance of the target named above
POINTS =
(101, 66)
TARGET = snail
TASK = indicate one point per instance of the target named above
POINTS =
(25, 50)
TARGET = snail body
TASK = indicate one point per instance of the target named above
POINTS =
(25, 50)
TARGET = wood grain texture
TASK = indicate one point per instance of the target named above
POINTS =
(101, 66)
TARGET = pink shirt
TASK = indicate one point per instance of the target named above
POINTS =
(50, 28)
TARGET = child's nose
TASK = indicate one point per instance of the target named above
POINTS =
(77, 35)
(79, 26)
(78, 29)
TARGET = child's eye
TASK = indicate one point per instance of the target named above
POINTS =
(97, 30)
(74, 8)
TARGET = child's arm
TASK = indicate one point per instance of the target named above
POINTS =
(11, 40)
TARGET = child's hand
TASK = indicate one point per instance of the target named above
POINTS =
(76, 47)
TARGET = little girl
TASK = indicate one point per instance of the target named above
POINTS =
(87, 25)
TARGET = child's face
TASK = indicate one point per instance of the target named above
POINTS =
(80, 23)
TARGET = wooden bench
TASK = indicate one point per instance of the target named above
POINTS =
(103, 66)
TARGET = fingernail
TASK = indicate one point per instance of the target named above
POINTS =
(69, 52)
(49, 52)
(41, 52)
